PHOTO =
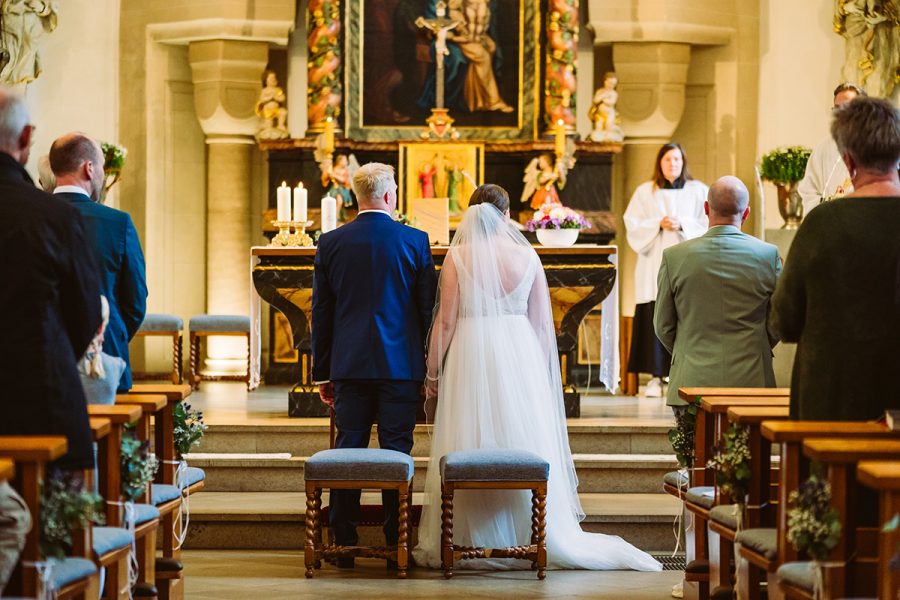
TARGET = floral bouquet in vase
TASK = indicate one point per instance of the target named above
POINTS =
(557, 226)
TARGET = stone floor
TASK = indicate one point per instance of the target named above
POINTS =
(277, 575)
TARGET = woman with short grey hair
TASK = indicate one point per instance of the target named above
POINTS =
(839, 294)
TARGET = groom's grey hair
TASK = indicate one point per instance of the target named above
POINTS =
(372, 181)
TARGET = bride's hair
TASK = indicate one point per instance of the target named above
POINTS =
(491, 194)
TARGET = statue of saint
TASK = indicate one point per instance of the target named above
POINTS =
(22, 24)
(603, 112)
(872, 51)
(454, 187)
(271, 108)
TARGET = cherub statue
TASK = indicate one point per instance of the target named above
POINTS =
(603, 112)
(271, 108)
(544, 177)
(336, 177)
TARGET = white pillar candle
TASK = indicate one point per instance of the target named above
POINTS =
(300, 198)
(284, 202)
(329, 214)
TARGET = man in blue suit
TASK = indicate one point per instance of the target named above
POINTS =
(77, 163)
(373, 297)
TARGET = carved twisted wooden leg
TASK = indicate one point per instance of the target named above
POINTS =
(318, 538)
(447, 530)
(247, 380)
(540, 512)
(312, 526)
(403, 533)
(534, 526)
(194, 360)
(177, 362)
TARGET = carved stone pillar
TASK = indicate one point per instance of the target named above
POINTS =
(560, 89)
(323, 24)
(226, 75)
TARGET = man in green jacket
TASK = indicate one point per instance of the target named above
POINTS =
(713, 300)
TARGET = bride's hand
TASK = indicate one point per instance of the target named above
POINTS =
(431, 388)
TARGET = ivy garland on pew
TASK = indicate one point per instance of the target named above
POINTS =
(138, 466)
(813, 524)
(189, 428)
(682, 436)
(731, 461)
(66, 507)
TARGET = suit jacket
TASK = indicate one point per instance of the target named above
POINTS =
(839, 300)
(123, 281)
(373, 297)
(714, 296)
(49, 313)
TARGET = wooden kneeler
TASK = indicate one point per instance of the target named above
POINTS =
(495, 469)
(884, 478)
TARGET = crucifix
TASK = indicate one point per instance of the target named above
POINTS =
(440, 26)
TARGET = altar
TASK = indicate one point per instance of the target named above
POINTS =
(581, 278)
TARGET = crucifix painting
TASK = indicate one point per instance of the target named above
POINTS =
(422, 54)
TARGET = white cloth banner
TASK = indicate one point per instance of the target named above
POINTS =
(609, 334)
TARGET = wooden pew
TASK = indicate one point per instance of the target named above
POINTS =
(857, 544)
(884, 478)
(31, 455)
(793, 468)
(165, 426)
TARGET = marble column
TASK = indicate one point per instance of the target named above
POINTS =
(226, 76)
(652, 80)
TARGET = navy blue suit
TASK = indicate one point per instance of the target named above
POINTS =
(373, 297)
(117, 251)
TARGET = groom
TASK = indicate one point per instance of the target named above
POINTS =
(373, 296)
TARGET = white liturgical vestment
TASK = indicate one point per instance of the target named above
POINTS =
(646, 209)
(826, 176)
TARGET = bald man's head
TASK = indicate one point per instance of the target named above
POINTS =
(77, 160)
(728, 198)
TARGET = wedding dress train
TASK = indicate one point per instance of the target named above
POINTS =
(493, 351)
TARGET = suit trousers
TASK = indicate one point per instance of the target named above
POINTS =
(357, 405)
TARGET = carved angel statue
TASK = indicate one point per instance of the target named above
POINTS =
(544, 177)
(23, 22)
(603, 113)
(271, 108)
(337, 173)
(872, 50)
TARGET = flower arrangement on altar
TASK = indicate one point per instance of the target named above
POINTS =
(557, 216)
(784, 166)
(113, 163)
(731, 462)
(813, 524)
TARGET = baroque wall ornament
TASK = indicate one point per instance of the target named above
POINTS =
(22, 24)
(871, 29)
(324, 66)
(562, 50)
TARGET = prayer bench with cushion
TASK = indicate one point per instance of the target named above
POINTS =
(166, 326)
(216, 325)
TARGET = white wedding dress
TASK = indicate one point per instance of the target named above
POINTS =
(493, 350)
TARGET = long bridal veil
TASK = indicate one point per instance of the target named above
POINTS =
(492, 350)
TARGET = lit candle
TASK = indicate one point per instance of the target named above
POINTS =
(560, 138)
(300, 197)
(329, 135)
(284, 202)
(329, 214)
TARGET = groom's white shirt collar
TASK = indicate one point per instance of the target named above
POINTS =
(70, 189)
(371, 210)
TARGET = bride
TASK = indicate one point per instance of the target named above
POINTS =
(494, 369)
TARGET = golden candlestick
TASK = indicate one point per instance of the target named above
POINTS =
(300, 237)
(283, 237)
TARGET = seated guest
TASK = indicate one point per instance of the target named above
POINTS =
(15, 523)
(100, 373)
(77, 163)
(839, 297)
(714, 295)
(49, 301)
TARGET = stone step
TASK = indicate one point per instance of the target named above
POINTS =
(304, 437)
(275, 520)
(597, 473)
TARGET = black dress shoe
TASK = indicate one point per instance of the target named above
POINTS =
(391, 565)
(344, 562)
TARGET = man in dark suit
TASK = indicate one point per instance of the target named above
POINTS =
(373, 296)
(77, 163)
(49, 300)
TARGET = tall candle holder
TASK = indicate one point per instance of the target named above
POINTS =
(300, 237)
(283, 237)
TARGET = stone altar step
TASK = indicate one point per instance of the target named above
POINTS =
(304, 437)
(275, 520)
(600, 473)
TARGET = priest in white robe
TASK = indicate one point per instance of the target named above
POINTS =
(662, 212)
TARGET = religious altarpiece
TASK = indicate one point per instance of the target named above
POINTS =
(498, 82)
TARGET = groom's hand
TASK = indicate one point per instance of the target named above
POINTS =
(431, 389)
(326, 393)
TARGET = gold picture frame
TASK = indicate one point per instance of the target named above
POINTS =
(462, 160)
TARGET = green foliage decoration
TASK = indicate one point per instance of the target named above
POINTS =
(785, 166)
(189, 428)
(65, 507)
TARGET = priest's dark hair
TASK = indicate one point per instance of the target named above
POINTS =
(659, 180)
(69, 152)
(849, 87)
(492, 194)
(868, 129)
